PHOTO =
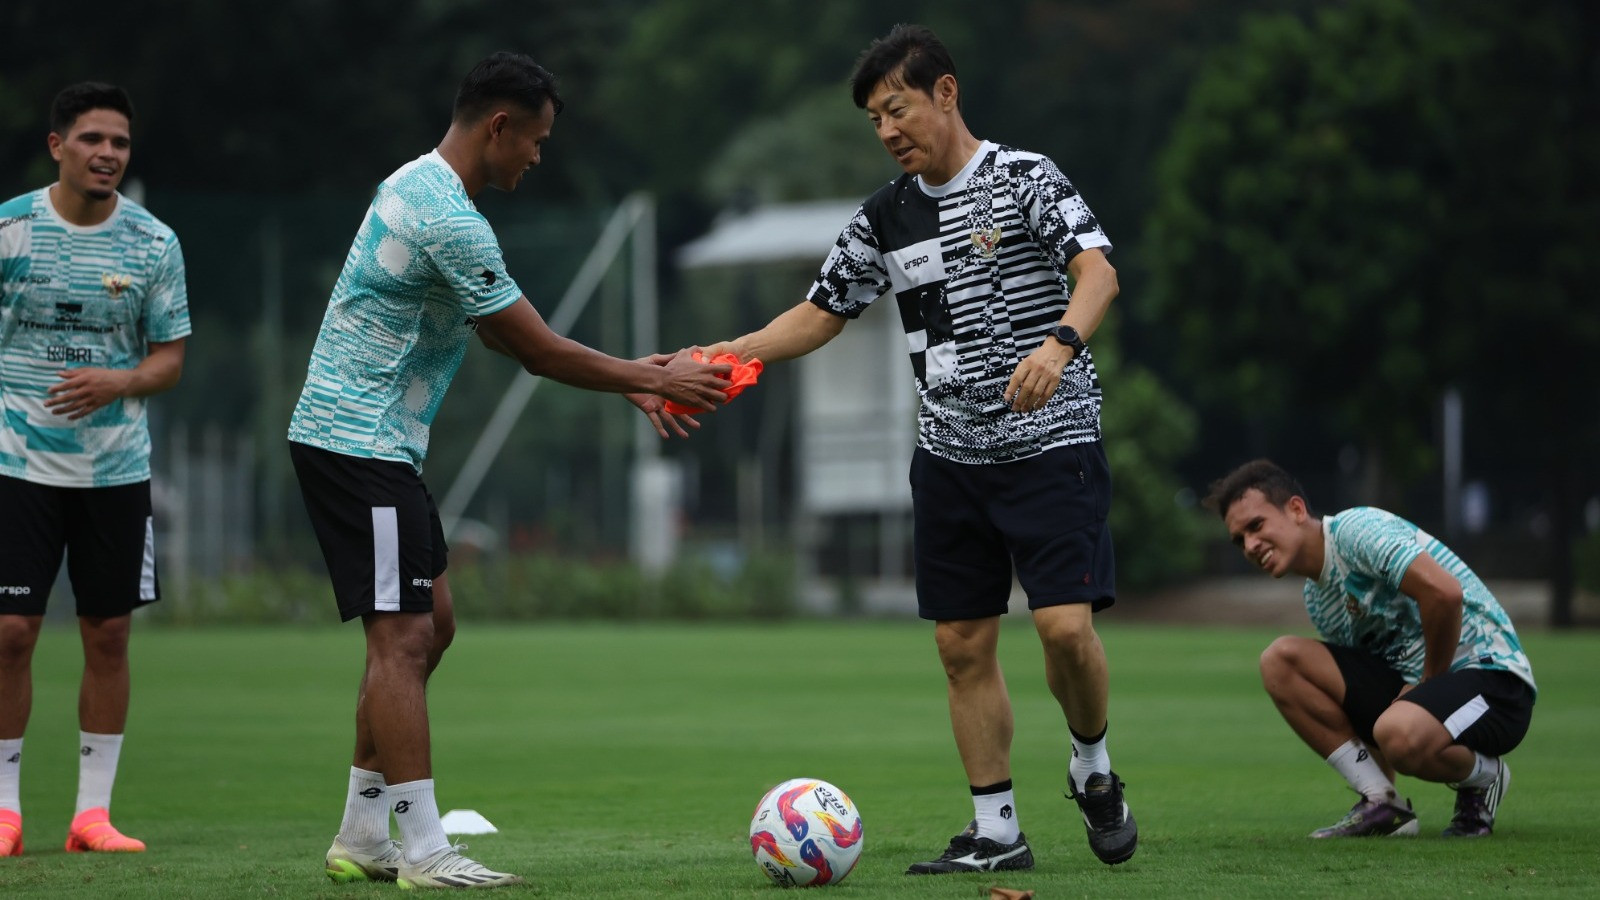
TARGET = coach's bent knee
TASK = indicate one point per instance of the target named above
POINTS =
(966, 647)
(1067, 629)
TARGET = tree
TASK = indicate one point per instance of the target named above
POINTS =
(1294, 227)
(1350, 222)
(1158, 534)
(1524, 197)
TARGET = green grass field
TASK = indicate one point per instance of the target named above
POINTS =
(625, 762)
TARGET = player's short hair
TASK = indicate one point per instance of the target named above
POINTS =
(1263, 475)
(76, 99)
(910, 54)
(505, 77)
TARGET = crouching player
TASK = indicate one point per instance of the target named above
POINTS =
(1418, 671)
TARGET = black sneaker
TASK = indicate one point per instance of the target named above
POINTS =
(1475, 807)
(1113, 836)
(969, 853)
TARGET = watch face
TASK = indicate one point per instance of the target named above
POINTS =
(1068, 335)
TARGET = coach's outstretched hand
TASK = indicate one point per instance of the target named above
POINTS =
(740, 376)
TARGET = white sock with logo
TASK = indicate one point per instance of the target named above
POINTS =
(97, 769)
(1485, 769)
(417, 813)
(1354, 761)
(995, 809)
(366, 810)
(1089, 756)
(11, 774)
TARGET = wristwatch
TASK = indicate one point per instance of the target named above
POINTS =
(1068, 335)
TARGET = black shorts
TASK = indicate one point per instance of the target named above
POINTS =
(378, 528)
(106, 534)
(1045, 515)
(1487, 710)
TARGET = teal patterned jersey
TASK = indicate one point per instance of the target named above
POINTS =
(424, 266)
(71, 297)
(1357, 602)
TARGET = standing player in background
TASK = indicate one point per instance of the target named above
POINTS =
(425, 272)
(93, 316)
(1418, 669)
(976, 241)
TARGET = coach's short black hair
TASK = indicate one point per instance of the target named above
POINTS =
(1263, 475)
(77, 99)
(505, 77)
(911, 53)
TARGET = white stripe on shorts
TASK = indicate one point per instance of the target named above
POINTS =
(1463, 718)
(147, 568)
(385, 559)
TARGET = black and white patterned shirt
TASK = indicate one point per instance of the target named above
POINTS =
(978, 268)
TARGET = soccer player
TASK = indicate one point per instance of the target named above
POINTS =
(1418, 669)
(976, 241)
(93, 316)
(425, 272)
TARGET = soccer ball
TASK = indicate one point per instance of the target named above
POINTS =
(806, 832)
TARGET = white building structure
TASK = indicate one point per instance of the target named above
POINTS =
(855, 423)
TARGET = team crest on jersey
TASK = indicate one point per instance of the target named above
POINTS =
(116, 284)
(1352, 605)
(986, 241)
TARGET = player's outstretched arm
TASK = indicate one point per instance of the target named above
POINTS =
(523, 333)
(84, 390)
(795, 332)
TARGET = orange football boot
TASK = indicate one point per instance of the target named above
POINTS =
(10, 832)
(92, 832)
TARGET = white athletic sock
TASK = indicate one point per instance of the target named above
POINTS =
(366, 810)
(1089, 755)
(1485, 769)
(11, 774)
(97, 769)
(995, 809)
(418, 816)
(1355, 763)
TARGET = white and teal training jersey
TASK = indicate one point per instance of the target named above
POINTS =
(1357, 602)
(70, 297)
(423, 267)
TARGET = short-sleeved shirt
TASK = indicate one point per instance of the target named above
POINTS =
(978, 268)
(71, 297)
(1357, 601)
(423, 267)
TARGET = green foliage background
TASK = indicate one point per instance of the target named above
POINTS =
(1325, 214)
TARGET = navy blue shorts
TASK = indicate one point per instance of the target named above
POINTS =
(1487, 710)
(1044, 516)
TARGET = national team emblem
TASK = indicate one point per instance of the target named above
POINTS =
(1352, 605)
(987, 241)
(116, 284)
